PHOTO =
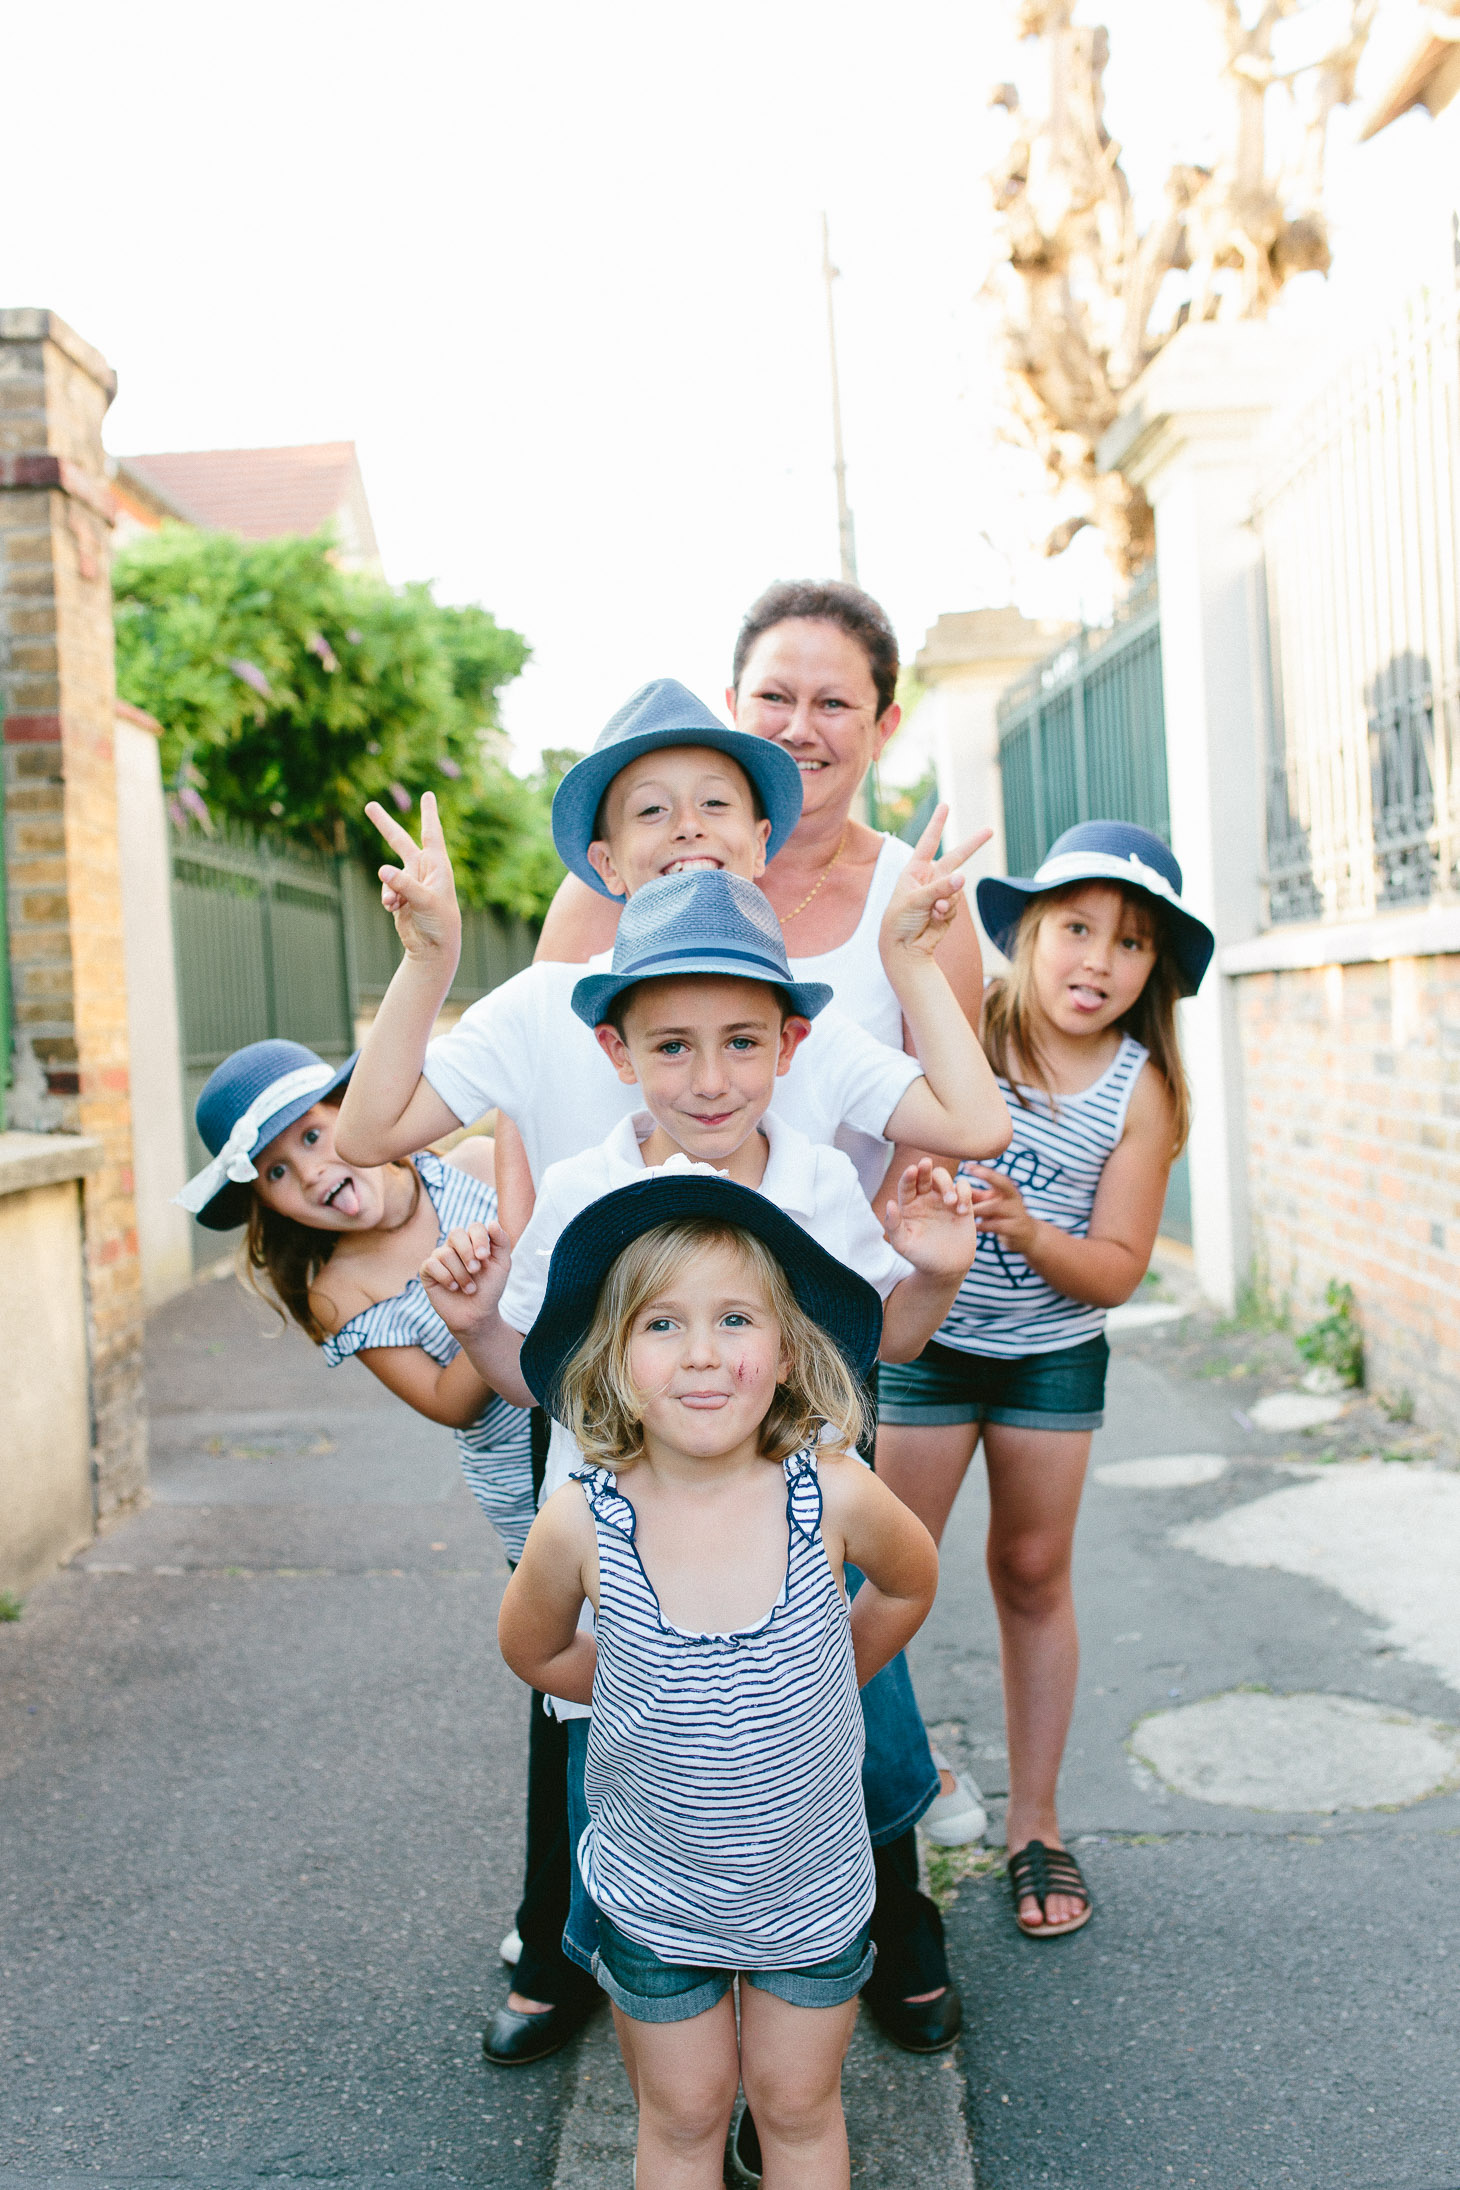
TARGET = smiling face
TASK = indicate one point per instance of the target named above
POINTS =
(300, 1175)
(706, 1050)
(706, 1355)
(681, 807)
(1093, 955)
(807, 685)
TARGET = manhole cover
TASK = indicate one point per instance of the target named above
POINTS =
(1171, 1471)
(1294, 1411)
(1256, 1752)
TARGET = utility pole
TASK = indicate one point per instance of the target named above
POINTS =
(846, 532)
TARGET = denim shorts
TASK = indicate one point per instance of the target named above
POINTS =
(651, 1991)
(1063, 1390)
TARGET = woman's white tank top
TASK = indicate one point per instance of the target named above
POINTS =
(864, 993)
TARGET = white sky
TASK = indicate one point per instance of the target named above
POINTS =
(555, 268)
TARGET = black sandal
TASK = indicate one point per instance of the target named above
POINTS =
(1039, 1871)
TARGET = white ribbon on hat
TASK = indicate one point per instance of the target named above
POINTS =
(1089, 866)
(233, 1158)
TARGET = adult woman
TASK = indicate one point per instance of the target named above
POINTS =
(815, 669)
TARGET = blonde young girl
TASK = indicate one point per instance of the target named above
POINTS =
(1082, 1036)
(707, 1356)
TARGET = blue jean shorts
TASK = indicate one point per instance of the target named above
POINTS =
(651, 1991)
(1063, 1390)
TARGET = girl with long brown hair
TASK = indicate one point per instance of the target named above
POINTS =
(1081, 1033)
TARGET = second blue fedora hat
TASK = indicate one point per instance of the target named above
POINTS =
(704, 922)
(665, 712)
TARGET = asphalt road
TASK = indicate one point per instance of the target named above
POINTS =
(260, 1775)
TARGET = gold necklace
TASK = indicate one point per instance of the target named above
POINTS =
(826, 870)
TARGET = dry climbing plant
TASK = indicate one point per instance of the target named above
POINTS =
(1079, 284)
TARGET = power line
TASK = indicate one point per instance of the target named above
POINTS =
(846, 531)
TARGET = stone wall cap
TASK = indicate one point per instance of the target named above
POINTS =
(29, 323)
(981, 637)
(46, 1159)
(1228, 376)
(1431, 931)
(126, 712)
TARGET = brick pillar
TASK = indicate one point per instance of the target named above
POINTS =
(68, 985)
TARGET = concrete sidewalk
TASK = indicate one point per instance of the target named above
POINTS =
(260, 1782)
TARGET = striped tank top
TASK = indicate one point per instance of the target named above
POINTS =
(724, 1772)
(1055, 1158)
(496, 1451)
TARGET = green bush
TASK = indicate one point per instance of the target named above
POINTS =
(290, 692)
(1335, 1340)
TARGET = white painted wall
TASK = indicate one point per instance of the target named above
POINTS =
(158, 1149)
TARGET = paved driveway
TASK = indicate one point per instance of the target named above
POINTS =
(260, 1778)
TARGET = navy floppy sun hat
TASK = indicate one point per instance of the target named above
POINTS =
(704, 921)
(665, 712)
(252, 1097)
(842, 1304)
(1103, 851)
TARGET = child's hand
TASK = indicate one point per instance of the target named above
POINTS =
(419, 894)
(1000, 1207)
(464, 1278)
(920, 910)
(932, 1221)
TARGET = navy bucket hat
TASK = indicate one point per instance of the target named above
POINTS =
(705, 921)
(839, 1302)
(252, 1097)
(1103, 851)
(667, 713)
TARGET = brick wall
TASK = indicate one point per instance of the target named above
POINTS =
(1353, 1116)
(68, 983)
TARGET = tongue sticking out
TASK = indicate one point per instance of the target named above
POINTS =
(345, 1200)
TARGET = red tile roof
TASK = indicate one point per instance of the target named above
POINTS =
(257, 492)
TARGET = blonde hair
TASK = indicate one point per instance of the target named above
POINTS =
(595, 1397)
(1008, 1018)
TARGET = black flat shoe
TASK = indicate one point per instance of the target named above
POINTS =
(918, 2026)
(513, 2040)
(744, 2168)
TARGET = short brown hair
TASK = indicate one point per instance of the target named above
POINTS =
(594, 1397)
(617, 1010)
(826, 601)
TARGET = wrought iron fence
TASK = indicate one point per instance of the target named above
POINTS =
(1083, 735)
(1359, 513)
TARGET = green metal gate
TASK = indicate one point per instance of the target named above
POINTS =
(1082, 737)
(273, 939)
(260, 942)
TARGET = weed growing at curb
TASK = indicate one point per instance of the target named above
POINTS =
(11, 1608)
(949, 1867)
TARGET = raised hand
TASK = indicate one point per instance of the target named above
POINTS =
(420, 893)
(1000, 1206)
(921, 908)
(465, 1276)
(932, 1220)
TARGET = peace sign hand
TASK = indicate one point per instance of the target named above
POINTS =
(921, 909)
(420, 894)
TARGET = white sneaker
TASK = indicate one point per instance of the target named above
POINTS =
(511, 1947)
(956, 1820)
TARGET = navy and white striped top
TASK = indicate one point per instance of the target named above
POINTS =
(726, 1825)
(496, 1451)
(1055, 1158)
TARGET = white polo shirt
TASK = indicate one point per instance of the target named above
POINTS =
(522, 1049)
(817, 1186)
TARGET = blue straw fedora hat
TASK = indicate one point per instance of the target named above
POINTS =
(704, 921)
(842, 1304)
(253, 1096)
(667, 713)
(1103, 851)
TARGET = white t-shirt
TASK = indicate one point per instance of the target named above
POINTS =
(816, 1185)
(521, 1049)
